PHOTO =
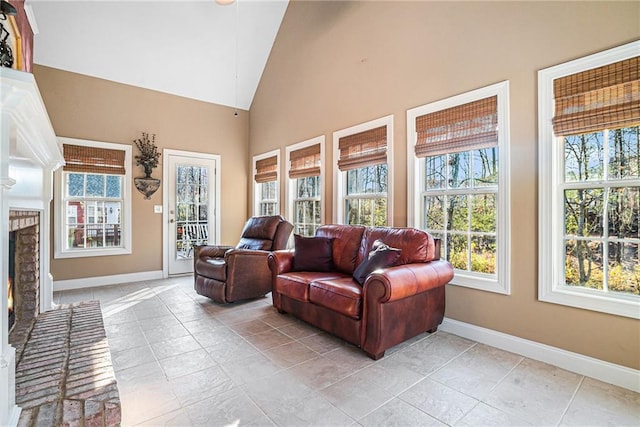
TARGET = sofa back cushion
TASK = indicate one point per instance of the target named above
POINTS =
(346, 244)
(416, 245)
(312, 253)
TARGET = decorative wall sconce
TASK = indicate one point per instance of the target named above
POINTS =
(6, 53)
(148, 159)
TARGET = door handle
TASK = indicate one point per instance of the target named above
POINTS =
(172, 220)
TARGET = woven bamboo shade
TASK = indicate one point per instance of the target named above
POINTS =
(267, 169)
(606, 97)
(93, 160)
(362, 149)
(305, 162)
(470, 126)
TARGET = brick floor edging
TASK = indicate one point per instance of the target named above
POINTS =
(65, 376)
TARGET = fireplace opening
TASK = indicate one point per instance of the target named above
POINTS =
(23, 281)
(11, 279)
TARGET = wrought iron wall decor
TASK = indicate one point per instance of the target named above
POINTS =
(148, 159)
(6, 53)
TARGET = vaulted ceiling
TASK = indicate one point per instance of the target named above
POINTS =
(198, 49)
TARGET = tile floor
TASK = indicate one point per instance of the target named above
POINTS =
(182, 360)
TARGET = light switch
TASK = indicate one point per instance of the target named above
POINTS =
(157, 208)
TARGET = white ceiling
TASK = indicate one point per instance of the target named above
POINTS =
(181, 47)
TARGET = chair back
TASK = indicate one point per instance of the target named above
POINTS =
(268, 233)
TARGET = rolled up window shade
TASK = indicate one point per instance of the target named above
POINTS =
(606, 97)
(79, 158)
(470, 126)
(267, 169)
(363, 149)
(305, 162)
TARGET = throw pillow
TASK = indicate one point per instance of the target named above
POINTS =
(312, 254)
(381, 256)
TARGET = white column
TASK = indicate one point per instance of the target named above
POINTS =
(46, 279)
(9, 411)
(29, 153)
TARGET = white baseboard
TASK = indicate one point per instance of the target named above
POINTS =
(89, 282)
(584, 365)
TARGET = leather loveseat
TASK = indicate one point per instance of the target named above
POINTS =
(393, 303)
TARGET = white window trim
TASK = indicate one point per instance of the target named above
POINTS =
(339, 179)
(290, 183)
(256, 193)
(551, 287)
(502, 283)
(59, 236)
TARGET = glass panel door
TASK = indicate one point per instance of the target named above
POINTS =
(191, 190)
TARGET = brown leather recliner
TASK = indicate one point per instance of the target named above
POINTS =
(227, 274)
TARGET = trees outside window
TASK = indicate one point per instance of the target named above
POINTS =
(589, 190)
(460, 207)
(192, 202)
(266, 185)
(306, 206)
(305, 165)
(363, 180)
(366, 198)
(268, 198)
(601, 209)
(458, 179)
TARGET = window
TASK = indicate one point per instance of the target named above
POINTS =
(362, 180)
(93, 199)
(266, 187)
(589, 201)
(305, 186)
(459, 181)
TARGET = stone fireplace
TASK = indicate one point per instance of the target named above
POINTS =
(29, 154)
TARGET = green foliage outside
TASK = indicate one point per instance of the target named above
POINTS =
(620, 278)
(366, 202)
(466, 220)
(483, 254)
(306, 203)
(607, 212)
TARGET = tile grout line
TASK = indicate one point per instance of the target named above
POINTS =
(573, 395)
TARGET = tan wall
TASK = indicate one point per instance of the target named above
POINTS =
(337, 64)
(89, 108)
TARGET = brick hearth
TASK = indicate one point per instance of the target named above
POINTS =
(64, 374)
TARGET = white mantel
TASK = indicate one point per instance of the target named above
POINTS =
(29, 153)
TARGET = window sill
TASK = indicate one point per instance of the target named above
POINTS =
(619, 305)
(83, 253)
(482, 283)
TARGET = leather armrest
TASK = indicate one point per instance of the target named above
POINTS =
(234, 253)
(395, 283)
(245, 262)
(281, 261)
(211, 251)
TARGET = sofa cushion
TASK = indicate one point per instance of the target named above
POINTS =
(381, 256)
(416, 245)
(342, 295)
(312, 254)
(346, 244)
(295, 285)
